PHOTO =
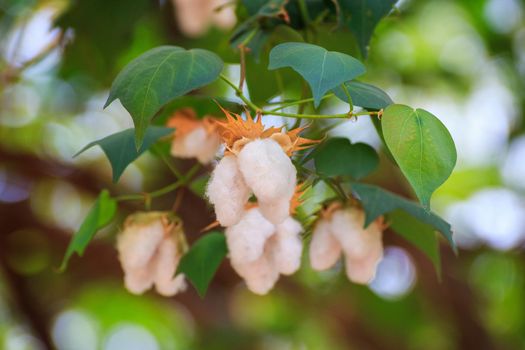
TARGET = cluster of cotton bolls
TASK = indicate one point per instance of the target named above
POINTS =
(194, 138)
(263, 239)
(150, 248)
(341, 230)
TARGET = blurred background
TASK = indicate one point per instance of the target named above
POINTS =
(464, 61)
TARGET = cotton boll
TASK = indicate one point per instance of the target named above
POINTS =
(227, 191)
(260, 275)
(247, 238)
(207, 151)
(167, 260)
(277, 211)
(325, 249)
(363, 270)
(225, 18)
(347, 227)
(193, 16)
(267, 170)
(286, 246)
(139, 279)
(138, 242)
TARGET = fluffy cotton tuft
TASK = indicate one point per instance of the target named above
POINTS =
(260, 275)
(247, 238)
(227, 191)
(325, 249)
(363, 248)
(286, 246)
(276, 212)
(347, 226)
(267, 170)
(149, 254)
(198, 143)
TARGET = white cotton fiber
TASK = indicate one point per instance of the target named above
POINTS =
(247, 238)
(267, 170)
(287, 246)
(167, 259)
(138, 242)
(347, 227)
(363, 270)
(227, 191)
(139, 279)
(260, 275)
(277, 211)
(325, 249)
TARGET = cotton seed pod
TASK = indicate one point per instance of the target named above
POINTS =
(260, 275)
(325, 249)
(362, 271)
(193, 137)
(227, 191)
(269, 172)
(348, 227)
(195, 16)
(150, 247)
(246, 239)
(286, 246)
(166, 265)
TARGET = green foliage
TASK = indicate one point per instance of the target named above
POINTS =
(322, 69)
(339, 157)
(421, 146)
(201, 262)
(362, 16)
(364, 95)
(158, 76)
(420, 234)
(377, 201)
(100, 215)
(120, 147)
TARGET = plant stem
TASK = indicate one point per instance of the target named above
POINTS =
(297, 102)
(347, 93)
(239, 93)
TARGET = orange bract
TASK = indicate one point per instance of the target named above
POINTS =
(236, 132)
(297, 199)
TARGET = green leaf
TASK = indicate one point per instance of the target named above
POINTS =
(100, 215)
(158, 76)
(362, 16)
(421, 146)
(377, 201)
(201, 262)
(364, 95)
(419, 234)
(322, 69)
(120, 147)
(339, 157)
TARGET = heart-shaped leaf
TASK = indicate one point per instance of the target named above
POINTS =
(322, 69)
(421, 146)
(120, 147)
(362, 16)
(154, 78)
(377, 201)
(338, 157)
(364, 95)
(201, 262)
(419, 234)
(100, 215)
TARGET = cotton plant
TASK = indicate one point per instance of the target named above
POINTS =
(255, 177)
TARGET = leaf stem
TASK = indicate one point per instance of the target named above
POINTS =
(347, 93)
(239, 93)
(297, 102)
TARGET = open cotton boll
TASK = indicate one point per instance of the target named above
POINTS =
(138, 242)
(227, 191)
(198, 143)
(325, 249)
(247, 238)
(208, 149)
(260, 275)
(139, 279)
(267, 170)
(347, 227)
(277, 211)
(286, 246)
(363, 270)
(167, 260)
(225, 18)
